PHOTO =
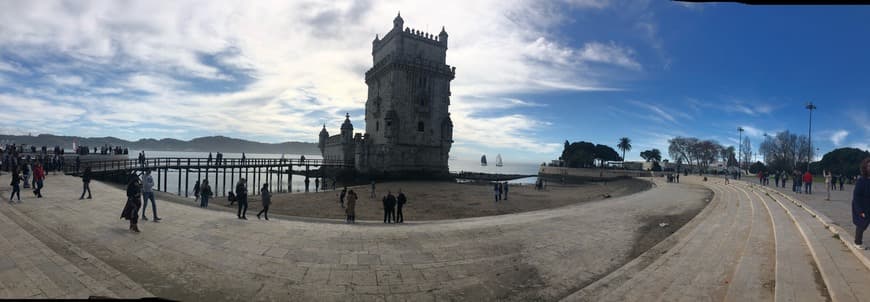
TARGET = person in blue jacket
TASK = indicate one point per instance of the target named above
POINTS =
(861, 203)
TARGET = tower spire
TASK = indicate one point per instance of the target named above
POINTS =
(398, 22)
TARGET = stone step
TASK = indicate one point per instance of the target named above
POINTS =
(844, 275)
(708, 254)
(797, 277)
(97, 277)
(593, 292)
(754, 278)
(718, 266)
(30, 269)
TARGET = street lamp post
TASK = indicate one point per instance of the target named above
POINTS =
(740, 151)
(810, 107)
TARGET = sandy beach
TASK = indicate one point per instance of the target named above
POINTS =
(429, 200)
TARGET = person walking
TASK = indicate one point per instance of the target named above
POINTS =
(505, 187)
(16, 185)
(86, 183)
(373, 189)
(389, 208)
(776, 179)
(400, 203)
(341, 196)
(495, 191)
(25, 172)
(39, 177)
(316, 184)
(841, 179)
(828, 182)
(808, 182)
(861, 203)
(196, 189)
(797, 184)
(242, 197)
(784, 178)
(205, 194)
(266, 197)
(148, 194)
(131, 208)
(351, 207)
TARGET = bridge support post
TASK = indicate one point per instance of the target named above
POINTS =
(178, 165)
(166, 177)
(187, 177)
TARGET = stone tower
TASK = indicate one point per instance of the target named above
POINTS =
(408, 126)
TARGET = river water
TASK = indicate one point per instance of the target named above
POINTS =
(298, 182)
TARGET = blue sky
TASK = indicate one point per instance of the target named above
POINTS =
(530, 74)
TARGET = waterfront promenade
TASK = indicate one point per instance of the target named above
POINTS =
(745, 245)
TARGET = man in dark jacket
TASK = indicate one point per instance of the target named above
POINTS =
(86, 183)
(341, 196)
(242, 197)
(400, 202)
(389, 207)
(134, 201)
(861, 204)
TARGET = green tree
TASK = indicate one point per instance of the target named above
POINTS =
(579, 155)
(653, 155)
(757, 167)
(604, 153)
(844, 161)
(624, 145)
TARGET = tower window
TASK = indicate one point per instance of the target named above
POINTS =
(420, 127)
(377, 126)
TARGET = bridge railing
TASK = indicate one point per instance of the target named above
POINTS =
(188, 162)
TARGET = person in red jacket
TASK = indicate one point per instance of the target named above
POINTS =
(808, 183)
(39, 177)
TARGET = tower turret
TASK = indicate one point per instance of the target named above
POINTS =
(324, 136)
(398, 22)
(347, 129)
(442, 37)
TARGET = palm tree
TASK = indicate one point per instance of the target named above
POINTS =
(624, 145)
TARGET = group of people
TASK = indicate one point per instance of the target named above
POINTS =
(14, 156)
(22, 176)
(202, 193)
(350, 210)
(139, 192)
(393, 207)
(500, 190)
(218, 158)
(103, 150)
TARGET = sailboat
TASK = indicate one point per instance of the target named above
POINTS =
(483, 160)
(498, 162)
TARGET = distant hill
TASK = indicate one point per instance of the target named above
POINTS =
(201, 144)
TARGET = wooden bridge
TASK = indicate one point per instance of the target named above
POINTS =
(260, 170)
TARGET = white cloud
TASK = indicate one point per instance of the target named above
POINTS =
(609, 53)
(752, 131)
(838, 136)
(10, 67)
(291, 66)
(66, 80)
(656, 111)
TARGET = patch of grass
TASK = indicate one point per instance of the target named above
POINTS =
(836, 236)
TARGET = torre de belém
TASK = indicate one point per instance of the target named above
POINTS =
(408, 127)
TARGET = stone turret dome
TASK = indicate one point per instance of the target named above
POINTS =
(346, 125)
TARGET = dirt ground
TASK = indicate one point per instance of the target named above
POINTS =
(429, 200)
